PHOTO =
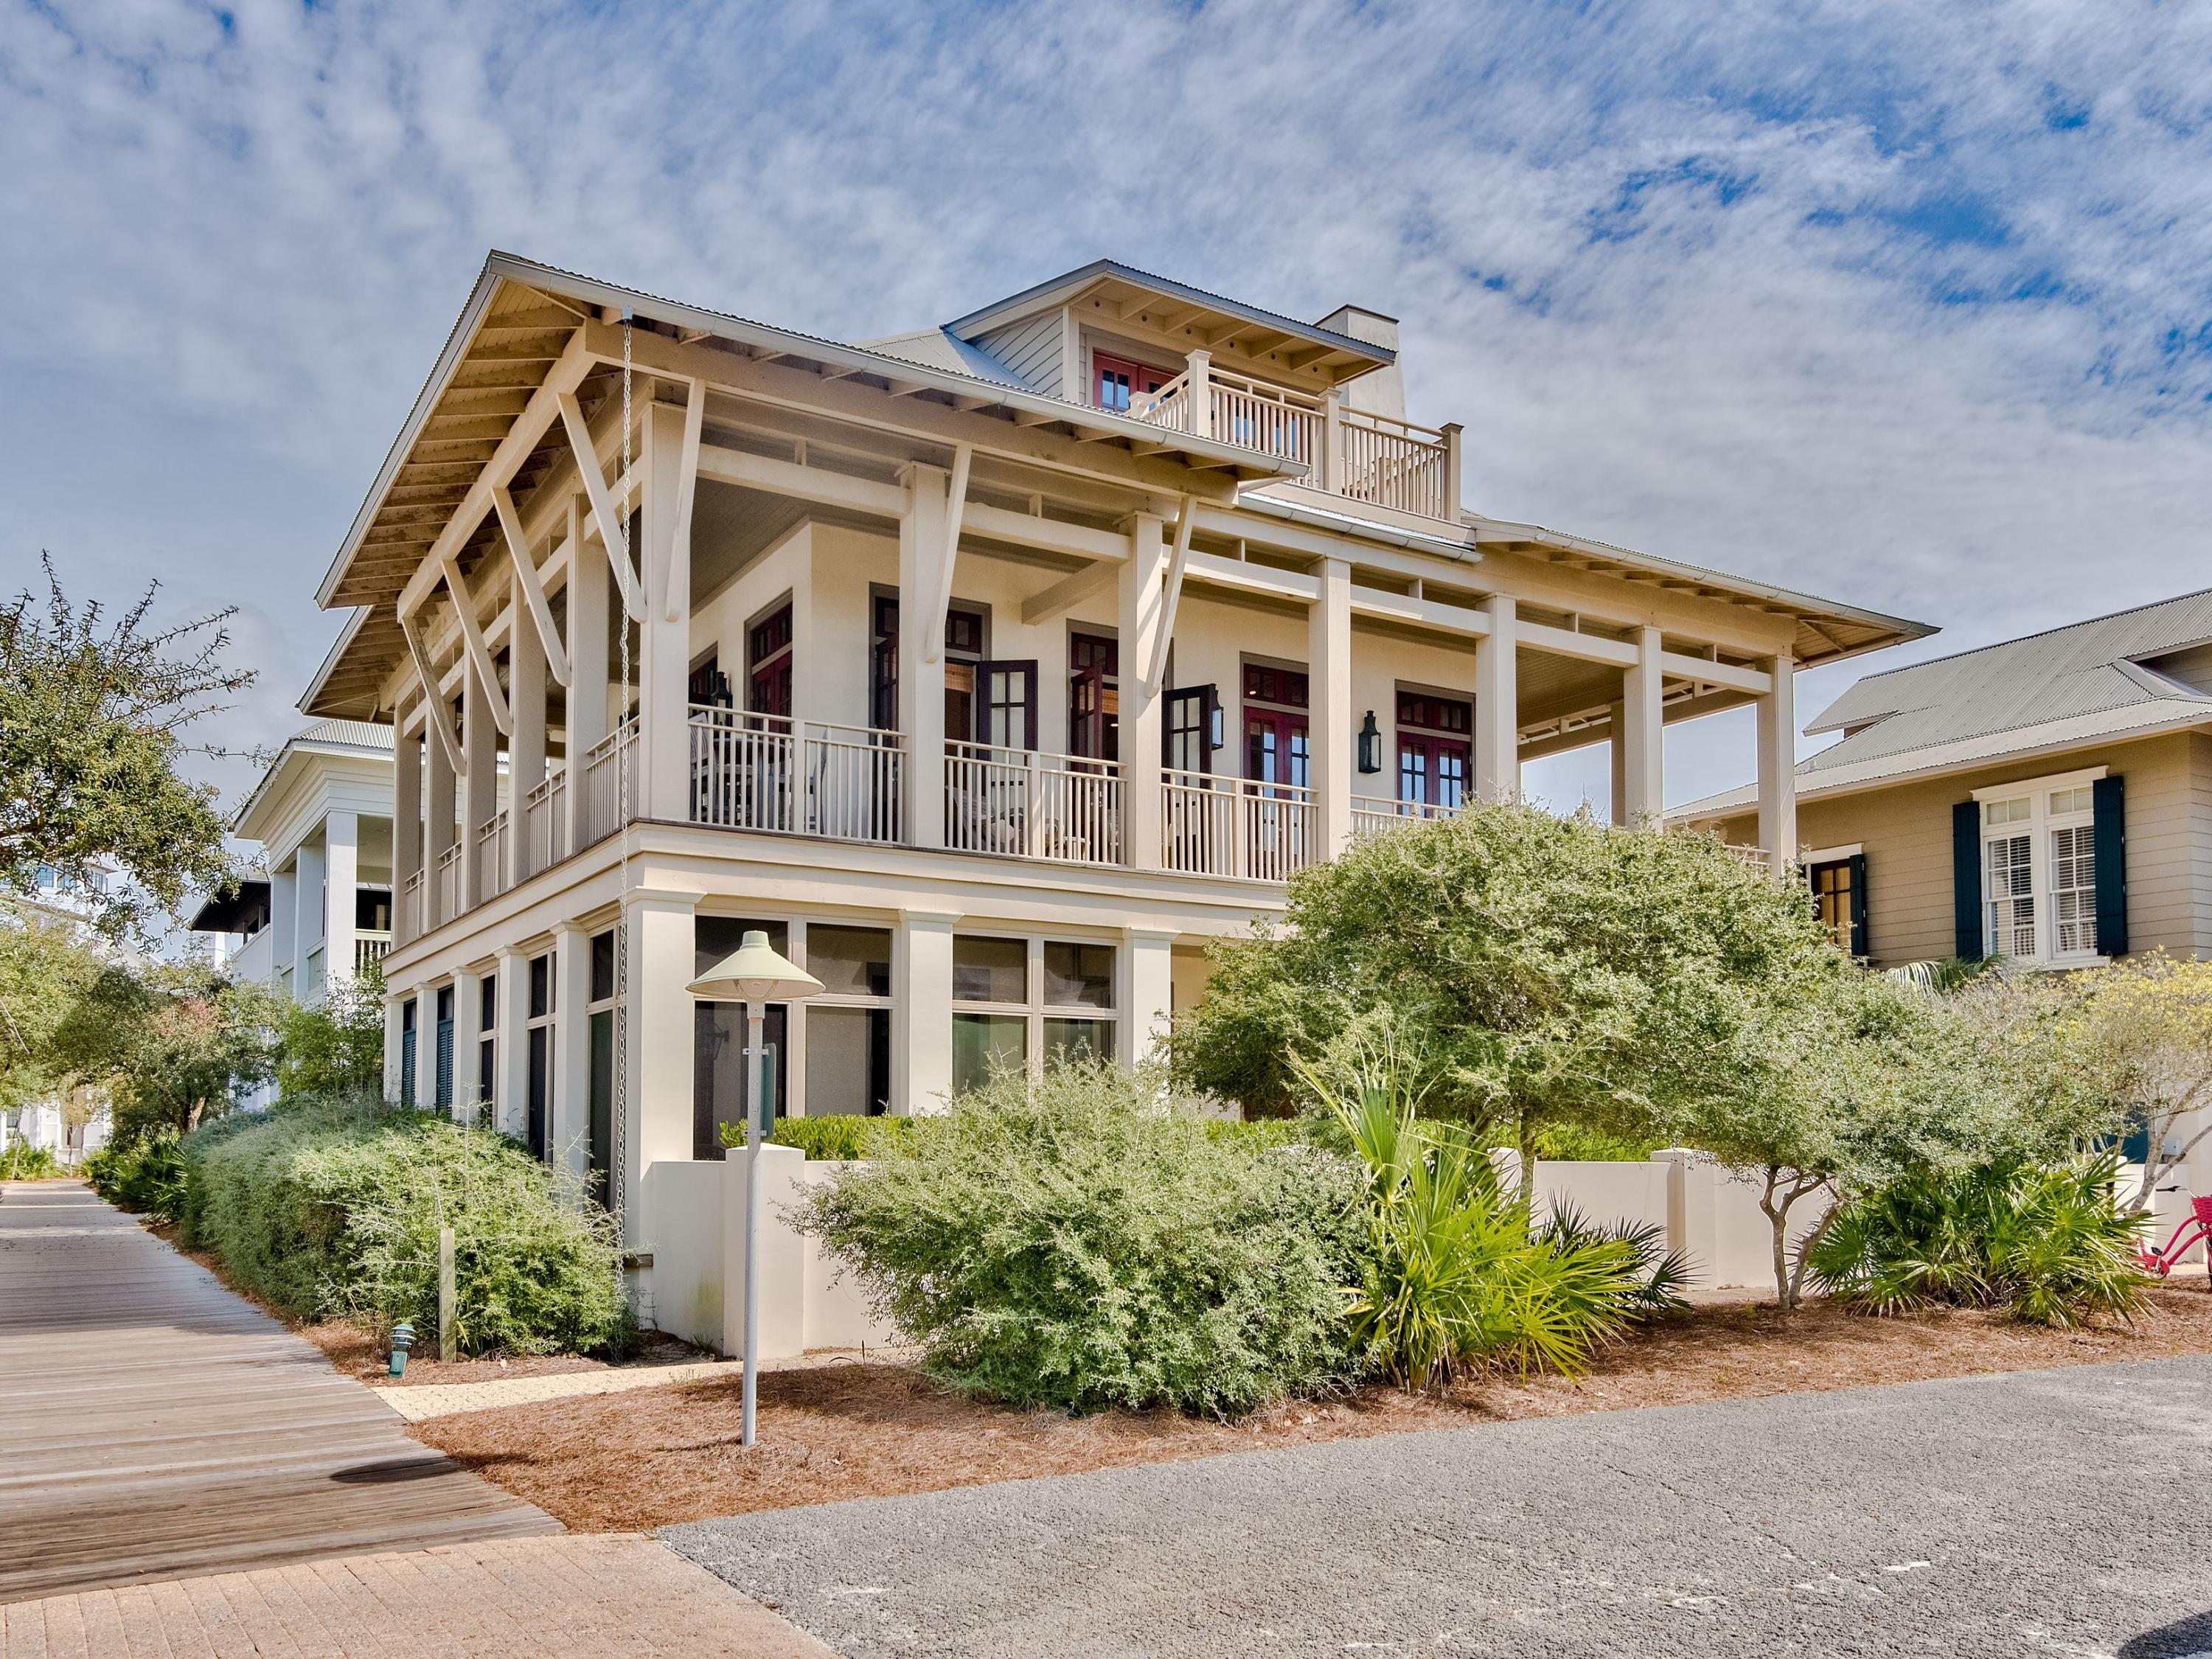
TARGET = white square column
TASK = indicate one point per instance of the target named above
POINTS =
(526, 748)
(470, 1087)
(1328, 668)
(307, 923)
(1777, 765)
(655, 1110)
(480, 752)
(394, 1052)
(406, 826)
(922, 1020)
(1144, 992)
(591, 581)
(664, 685)
(1643, 760)
(922, 554)
(1497, 703)
(1616, 742)
(340, 883)
(283, 926)
(425, 1048)
(1141, 614)
(511, 1040)
(569, 1115)
(439, 813)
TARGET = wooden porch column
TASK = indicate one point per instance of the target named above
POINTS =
(921, 1017)
(439, 812)
(664, 704)
(1617, 727)
(406, 822)
(658, 1010)
(480, 749)
(1200, 393)
(307, 923)
(1328, 666)
(1143, 605)
(1644, 760)
(1777, 765)
(1145, 991)
(1497, 703)
(341, 880)
(511, 1042)
(526, 697)
(590, 584)
(922, 551)
(569, 1114)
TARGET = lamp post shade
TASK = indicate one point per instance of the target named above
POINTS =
(755, 972)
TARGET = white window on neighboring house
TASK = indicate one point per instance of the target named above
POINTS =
(2039, 871)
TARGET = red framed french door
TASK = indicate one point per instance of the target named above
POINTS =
(1432, 771)
(1276, 747)
(1115, 381)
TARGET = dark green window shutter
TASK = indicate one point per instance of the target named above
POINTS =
(2110, 836)
(1858, 906)
(1966, 880)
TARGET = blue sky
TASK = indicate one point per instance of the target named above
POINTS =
(1908, 305)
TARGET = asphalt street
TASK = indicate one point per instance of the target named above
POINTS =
(2062, 1512)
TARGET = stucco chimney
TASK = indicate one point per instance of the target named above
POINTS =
(1379, 391)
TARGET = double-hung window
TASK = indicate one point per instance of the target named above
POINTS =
(2039, 871)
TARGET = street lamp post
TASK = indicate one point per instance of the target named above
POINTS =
(756, 975)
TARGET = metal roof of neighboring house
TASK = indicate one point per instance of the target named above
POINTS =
(2087, 681)
(362, 739)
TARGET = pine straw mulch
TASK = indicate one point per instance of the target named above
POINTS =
(652, 1457)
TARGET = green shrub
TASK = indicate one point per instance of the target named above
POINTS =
(1080, 1243)
(22, 1162)
(1453, 1274)
(836, 1139)
(1261, 1131)
(325, 1210)
(144, 1176)
(2048, 1244)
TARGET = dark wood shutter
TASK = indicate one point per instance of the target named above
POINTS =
(1966, 880)
(2109, 836)
(1859, 905)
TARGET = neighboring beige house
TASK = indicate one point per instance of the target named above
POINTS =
(2048, 799)
(994, 669)
(322, 909)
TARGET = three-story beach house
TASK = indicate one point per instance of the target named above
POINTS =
(993, 669)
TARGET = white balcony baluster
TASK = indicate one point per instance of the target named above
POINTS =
(1214, 826)
(1063, 808)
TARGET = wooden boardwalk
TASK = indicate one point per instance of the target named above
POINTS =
(153, 1425)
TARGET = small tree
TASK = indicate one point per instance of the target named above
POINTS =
(91, 717)
(45, 968)
(2143, 1028)
(1857, 1079)
(174, 1043)
(336, 1048)
(1539, 970)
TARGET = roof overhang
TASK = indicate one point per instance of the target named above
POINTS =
(1126, 296)
(232, 909)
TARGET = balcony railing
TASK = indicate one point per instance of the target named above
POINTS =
(410, 923)
(1372, 812)
(1376, 458)
(449, 883)
(544, 840)
(1065, 808)
(369, 947)
(610, 783)
(491, 856)
(794, 777)
(1214, 826)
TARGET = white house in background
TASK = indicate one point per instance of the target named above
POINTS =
(322, 814)
(992, 668)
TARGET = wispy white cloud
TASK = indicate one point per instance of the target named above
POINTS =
(1911, 305)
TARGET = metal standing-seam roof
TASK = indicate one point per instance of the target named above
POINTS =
(2084, 683)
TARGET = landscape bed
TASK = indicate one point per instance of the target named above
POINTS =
(657, 1456)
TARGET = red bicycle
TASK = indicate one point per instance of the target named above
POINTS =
(2198, 1225)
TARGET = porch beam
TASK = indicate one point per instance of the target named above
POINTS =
(538, 416)
(433, 697)
(465, 611)
(603, 506)
(1068, 592)
(1757, 681)
(533, 589)
(1156, 674)
(956, 502)
(1584, 647)
(687, 494)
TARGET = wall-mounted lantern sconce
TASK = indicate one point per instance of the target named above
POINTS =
(1370, 745)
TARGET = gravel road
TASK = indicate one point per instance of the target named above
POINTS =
(2044, 1512)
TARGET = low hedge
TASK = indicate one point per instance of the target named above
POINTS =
(840, 1138)
(326, 1210)
(25, 1162)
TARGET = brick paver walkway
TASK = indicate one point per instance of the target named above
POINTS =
(583, 1597)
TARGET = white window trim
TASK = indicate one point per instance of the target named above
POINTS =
(2040, 826)
(1831, 854)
